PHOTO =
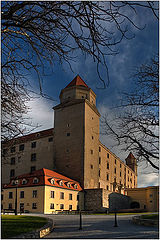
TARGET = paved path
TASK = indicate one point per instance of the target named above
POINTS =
(99, 226)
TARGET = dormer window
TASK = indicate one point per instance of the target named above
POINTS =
(61, 183)
(68, 185)
(75, 186)
(24, 181)
(13, 182)
(35, 180)
(52, 181)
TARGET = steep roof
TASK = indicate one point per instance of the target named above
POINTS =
(130, 156)
(44, 177)
(77, 81)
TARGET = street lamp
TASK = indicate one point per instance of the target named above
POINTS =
(16, 183)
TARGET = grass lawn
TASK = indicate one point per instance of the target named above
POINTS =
(151, 216)
(12, 225)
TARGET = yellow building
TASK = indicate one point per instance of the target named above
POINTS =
(42, 191)
(72, 147)
(146, 198)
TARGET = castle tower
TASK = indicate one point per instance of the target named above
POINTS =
(76, 134)
(132, 162)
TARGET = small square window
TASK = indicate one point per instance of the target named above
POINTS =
(91, 151)
(52, 194)
(33, 157)
(33, 145)
(68, 134)
(91, 166)
(12, 173)
(52, 206)
(21, 194)
(50, 139)
(34, 205)
(70, 196)
(34, 194)
(61, 206)
(33, 168)
(10, 194)
(92, 137)
(13, 161)
(61, 195)
(21, 147)
(13, 149)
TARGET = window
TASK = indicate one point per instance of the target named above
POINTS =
(115, 170)
(150, 201)
(61, 183)
(120, 174)
(68, 134)
(33, 145)
(52, 206)
(61, 206)
(21, 147)
(92, 137)
(91, 151)
(107, 176)
(115, 161)
(52, 181)
(91, 166)
(35, 180)
(5, 151)
(50, 139)
(10, 194)
(70, 196)
(128, 179)
(52, 194)
(10, 205)
(34, 194)
(107, 165)
(120, 165)
(68, 185)
(21, 194)
(68, 124)
(13, 149)
(70, 207)
(77, 197)
(75, 186)
(99, 149)
(33, 157)
(151, 195)
(128, 171)
(61, 195)
(99, 160)
(107, 187)
(13, 161)
(107, 155)
(33, 168)
(12, 173)
(34, 205)
(67, 150)
(99, 173)
(24, 181)
(82, 96)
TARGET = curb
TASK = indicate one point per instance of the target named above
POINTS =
(39, 233)
(145, 222)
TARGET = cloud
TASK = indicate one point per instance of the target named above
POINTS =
(151, 179)
(41, 113)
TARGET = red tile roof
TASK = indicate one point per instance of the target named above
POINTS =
(131, 156)
(44, 178)
(31, 136)
(77, 81)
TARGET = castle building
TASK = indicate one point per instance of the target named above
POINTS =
(72, 148)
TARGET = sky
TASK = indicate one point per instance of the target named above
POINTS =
(132, 53)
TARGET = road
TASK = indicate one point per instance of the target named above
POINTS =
(99, 226)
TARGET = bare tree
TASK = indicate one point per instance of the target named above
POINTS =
(136, 124)
(36, 32)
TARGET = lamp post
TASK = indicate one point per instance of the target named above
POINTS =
(115, 220)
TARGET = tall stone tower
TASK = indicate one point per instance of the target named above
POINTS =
(76, 134)
(132, 162)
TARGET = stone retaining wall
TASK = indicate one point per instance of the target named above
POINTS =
(146, 222)
(39, 233)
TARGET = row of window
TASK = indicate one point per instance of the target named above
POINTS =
(12, 171)
(22, 146)
(35, 194)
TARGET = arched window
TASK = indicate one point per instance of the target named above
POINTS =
(24, 181)
(35, 180)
